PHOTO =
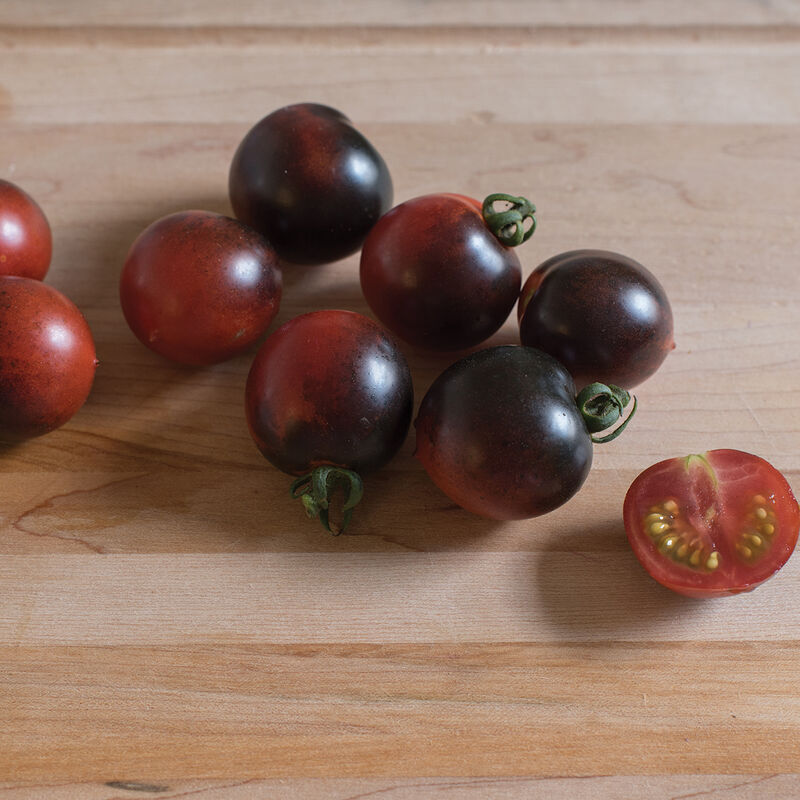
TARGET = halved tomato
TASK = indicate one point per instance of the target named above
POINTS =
(713, 524)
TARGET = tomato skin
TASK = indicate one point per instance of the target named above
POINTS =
(310, 182)
(199, 288)
(717, 497)
(436, 276)
(499, 432)
(602, 314)
(329, 388)
(47, 359)
(26, 242)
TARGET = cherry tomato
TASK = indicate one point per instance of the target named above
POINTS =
(502, 434)
(199, 288)
(26, 243)
(601, 314)
(47, 358)
(310, 182)
(439, 270)
(329, 396)
(713, 524)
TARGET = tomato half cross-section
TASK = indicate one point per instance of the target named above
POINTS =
(713, 524)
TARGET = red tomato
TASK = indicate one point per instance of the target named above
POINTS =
(713, 524)
(26, 244)
(329, 397)
(199, 287)
(439, 271)
(47, 358)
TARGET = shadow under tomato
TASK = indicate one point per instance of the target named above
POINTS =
(603, 594)
(400, 511)
(8, 447)
(305, 292)
(404, 510)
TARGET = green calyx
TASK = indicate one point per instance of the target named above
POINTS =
(509, 224)
(315, 490)
(601, 407)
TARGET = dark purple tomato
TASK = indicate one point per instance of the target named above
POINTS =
(435, 273)
(310, 182)
(47, 359)
(328, 398)
(601, 314)
(503, 435)
(199, 288)
(26, 243)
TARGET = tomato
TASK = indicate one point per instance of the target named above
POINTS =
(601, 314)
(26, 243)
(329, 398)
(439, 270)
(310, 182)
(713, 524)
(47, 358)
(502, 434)
(199, 288)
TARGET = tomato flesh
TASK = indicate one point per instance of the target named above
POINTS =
(714, 524)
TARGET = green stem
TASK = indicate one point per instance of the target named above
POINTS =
(314, 492)
(601, 406)
(508, 224)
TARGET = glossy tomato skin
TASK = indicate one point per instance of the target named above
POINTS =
(47, 359)
(436, 276)
(26, 242)
(712, 525)
(602, 314)
(199, 287)
(499, 432)
(310, 182)
(329, 388)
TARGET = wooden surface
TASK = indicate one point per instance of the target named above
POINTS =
(170, 624)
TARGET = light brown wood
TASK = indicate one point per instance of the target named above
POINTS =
(237, 711)
(672, 787)
(371, 597)
(398, 13)
(455, 77)
(170, 623)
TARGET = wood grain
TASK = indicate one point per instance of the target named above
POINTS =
(660, 787)
(515, 77)
(401, 710)
(371, 597)
(398, 13)
(171, 625)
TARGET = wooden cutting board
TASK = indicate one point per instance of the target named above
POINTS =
(172, 626)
